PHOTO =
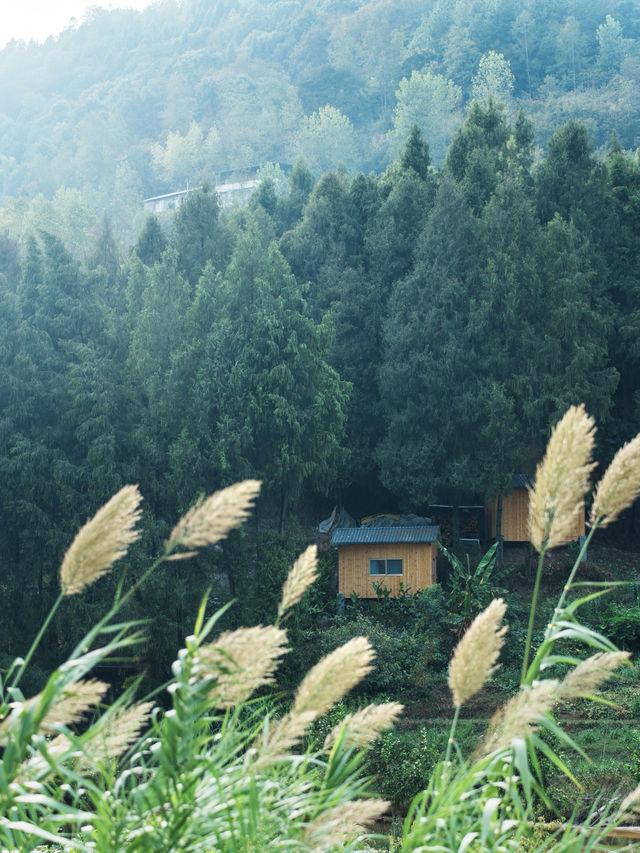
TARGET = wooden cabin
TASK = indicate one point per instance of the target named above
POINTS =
(515, 514)
(387, 555)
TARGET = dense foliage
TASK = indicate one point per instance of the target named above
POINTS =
(130, 104)
(398, 340)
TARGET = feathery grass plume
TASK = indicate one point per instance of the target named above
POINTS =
(299, 579)
(562, 478)
(120, 731)
(475, 657)
(328, 681)
(103, 540)
(213, 518)
(242, 661)
(619, 486)
(339, 824)
(283, 736)
(519, 717)
(365, 725)
(588, 675)
(631, 803)
(334, 676)
(73, 703)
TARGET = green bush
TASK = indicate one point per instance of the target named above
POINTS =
(401, 763)
(405, 659)
(622, 625)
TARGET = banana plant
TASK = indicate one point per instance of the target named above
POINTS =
(472, 589)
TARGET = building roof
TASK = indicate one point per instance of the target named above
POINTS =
(176, 194)
(523, 481)
(384, 535)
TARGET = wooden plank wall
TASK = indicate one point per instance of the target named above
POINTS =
(515, 518)
(353, 567)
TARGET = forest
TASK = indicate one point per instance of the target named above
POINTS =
(126, 105)
(386, 342)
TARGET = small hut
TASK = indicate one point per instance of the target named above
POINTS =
(388, 555)
(515, 513)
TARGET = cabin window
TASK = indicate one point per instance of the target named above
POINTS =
(385, 567)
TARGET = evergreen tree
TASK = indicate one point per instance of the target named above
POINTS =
(290, 207)
(428, 359)
(282, 406)
(151, 243)
(573, 358)
(159, 300)
(318, 248)
(408, 190)
(9, 260)
(572, 183)
(624, 293)
(105, 252)
(199, 235)
(478, 153)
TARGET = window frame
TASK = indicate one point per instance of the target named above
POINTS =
(386, 573)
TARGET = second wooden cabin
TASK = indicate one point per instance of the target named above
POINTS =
(388, 555)
(515, 514)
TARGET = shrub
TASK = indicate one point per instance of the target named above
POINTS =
(401, 763)
(404, 658)
(622, 625)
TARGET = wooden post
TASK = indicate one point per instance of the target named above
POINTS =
(455, 527)
(500, 549)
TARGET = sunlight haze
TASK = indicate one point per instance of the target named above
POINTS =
(38, 19)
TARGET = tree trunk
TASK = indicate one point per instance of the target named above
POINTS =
(500, 549)
(283, 513)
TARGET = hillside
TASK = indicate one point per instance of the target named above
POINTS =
(130, 104)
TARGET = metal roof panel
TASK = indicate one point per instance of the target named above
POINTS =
(523, 481)
(383, 535)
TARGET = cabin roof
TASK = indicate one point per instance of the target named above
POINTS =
(176, 194)
(523, 481)
(383, 535)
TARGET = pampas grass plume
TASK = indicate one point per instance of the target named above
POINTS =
(214, 517)
(365, 725)
(321, 688)
(241, 661)
(103, 540)
(631, 803)
(520, 716)
(588, 675)
(300, 578)
(73, 703)
(475, 657)
(562, 478)
(283, 736)
(619, 486)
(120, 732)
(69, 707)
(337, 825)
(334, 676)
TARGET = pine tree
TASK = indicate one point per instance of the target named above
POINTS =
(282, 407)
(151, 243)
(199, 235)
